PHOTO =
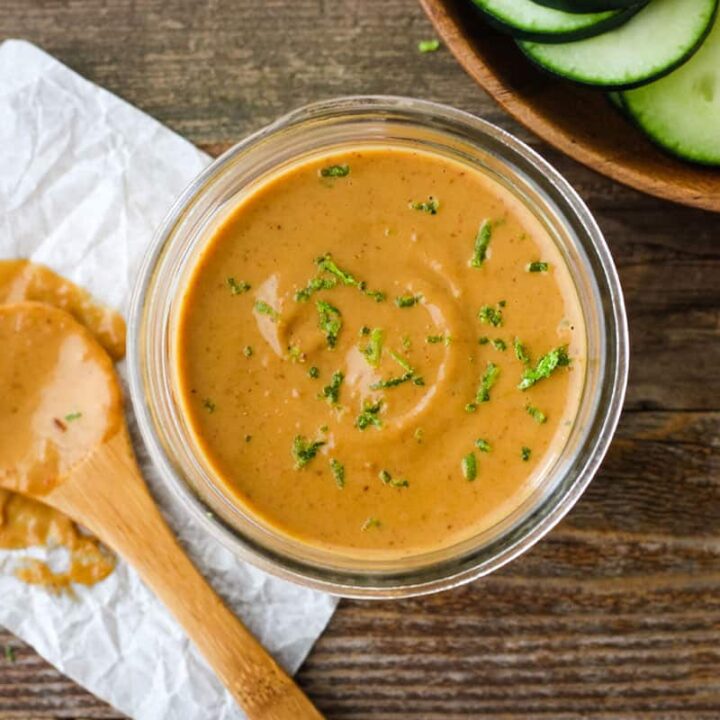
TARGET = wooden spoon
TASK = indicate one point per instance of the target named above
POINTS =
(63, 440)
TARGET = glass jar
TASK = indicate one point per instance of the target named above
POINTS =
(354, 121)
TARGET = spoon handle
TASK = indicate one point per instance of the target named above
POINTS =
(107, 494)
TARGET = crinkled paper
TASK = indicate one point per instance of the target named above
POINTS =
(85, 178)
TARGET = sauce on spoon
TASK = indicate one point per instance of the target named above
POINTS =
(26, 522)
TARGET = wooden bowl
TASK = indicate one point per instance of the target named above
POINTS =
(579, 121)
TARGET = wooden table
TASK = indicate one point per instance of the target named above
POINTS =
(617, 613)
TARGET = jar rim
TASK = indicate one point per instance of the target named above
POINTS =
(562, 203)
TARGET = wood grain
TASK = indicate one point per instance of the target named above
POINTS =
(579, 121)
(616, 615)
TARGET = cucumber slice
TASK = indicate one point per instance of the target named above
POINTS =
(527, 20)
(656, 40)
(586, 6)
(681, 112)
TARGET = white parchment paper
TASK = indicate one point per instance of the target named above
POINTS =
(85, 178)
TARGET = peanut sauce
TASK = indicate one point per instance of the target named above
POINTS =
(379, 351)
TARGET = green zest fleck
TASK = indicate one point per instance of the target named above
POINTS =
(296, 354)
(314, 373)
(304, 450)
(536, 414)
(401, 361)
(335, 171)
(264, 309)
(418, 435)
(482, 445)
(209, 405)
(525, 453)
(499, 344)
(247, 351)
(430, 206)
(545, 366)
(326, 263)
(537, 267)
(471, 407)
(237, 288)
(408, 376)
(373, 350)
(330, 321)
(388, 479)
(428, 46)
(376, 295)
(488, 380)
(406, 342)
(331, 392)
(482, 241)
(371, 522)
(520, 352)
(484, 340)
(435, 339)
(369, 416)
(313, 286)
(406, 301)
(490, 315)
(338, 471)
(73, 416)
(364, 330)
(469, 467)
(9, 654)
(395, 381)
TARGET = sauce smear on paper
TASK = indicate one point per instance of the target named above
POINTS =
(26, 523)
(24, 280)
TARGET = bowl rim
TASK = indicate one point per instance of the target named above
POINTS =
(228, 536)
(659, 174)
